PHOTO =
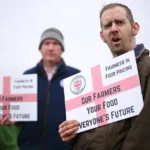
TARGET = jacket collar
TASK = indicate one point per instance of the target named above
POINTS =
(61, 68)
(138, 50)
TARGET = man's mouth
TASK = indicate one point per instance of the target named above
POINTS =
(116, 40)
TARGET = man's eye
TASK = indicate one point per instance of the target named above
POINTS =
(107, 26)
(55, 43)
(46, 43)
(120, 22)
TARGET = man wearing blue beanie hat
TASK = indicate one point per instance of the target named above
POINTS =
(51, 70)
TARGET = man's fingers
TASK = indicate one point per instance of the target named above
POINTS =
(65, 123)
(4, 120)
(68, 127)
(66, 130)
(69, 138)
(69, 132)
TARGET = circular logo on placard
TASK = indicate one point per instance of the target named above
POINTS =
(77, 84)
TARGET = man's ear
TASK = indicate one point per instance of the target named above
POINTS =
(136, 28)
(102, 37)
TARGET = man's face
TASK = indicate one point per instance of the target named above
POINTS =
(117, 31)
(51, 51)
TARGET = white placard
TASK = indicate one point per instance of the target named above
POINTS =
(18, 97)
(105, 93)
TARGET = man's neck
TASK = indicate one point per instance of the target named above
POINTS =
(49, 66)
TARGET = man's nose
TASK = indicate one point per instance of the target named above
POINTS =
(50, 46)
(114, 28)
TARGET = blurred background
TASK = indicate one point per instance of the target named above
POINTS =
(23, 21)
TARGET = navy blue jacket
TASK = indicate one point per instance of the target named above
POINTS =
(43, 134)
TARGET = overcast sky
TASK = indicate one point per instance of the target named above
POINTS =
(23, 21)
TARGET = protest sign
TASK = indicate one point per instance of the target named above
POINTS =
(105, 93)
(18, 97)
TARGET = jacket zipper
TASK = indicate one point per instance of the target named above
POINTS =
(43, 140)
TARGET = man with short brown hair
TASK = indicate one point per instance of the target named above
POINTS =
(118, 31)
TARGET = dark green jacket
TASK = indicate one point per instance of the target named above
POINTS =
(8, 137)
